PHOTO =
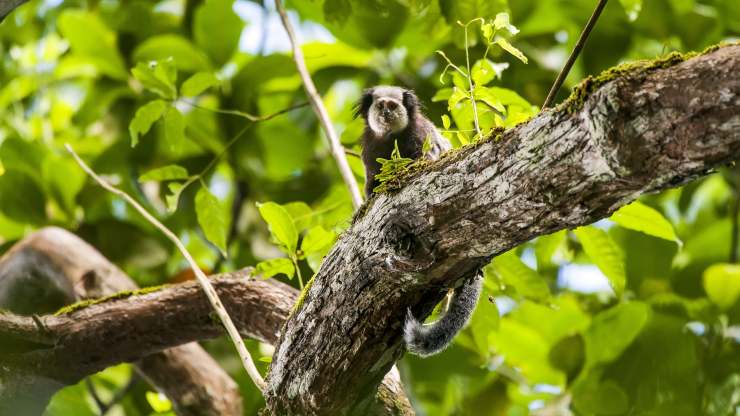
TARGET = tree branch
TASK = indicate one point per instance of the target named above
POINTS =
(51, 268)
(644, 128)
(131, 325)
(7, 6)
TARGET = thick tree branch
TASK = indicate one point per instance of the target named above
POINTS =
(135, 326)
(651, 127)
(7, 6)
(51, 268)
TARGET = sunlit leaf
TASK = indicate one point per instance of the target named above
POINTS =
(527, 282)
(502, 22)
(165, 173)
(508, 47)
(90, 38)
(640, 217)
(213, 218)
(614, 330)
(158, 77)
(269, 268)
(174, 127)
(145, 116)
(605, 254)
(158, 402)
(185, 56)
(722, 284)
(217, 29)
(316, 239)
(281, 225)
(198, 83)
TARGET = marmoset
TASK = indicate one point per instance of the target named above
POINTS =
(393, 115)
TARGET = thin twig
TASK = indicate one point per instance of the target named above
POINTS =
(318, 106)
(210, 292)
(248, 116)
(573, 55)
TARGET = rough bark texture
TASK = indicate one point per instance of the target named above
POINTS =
(646, 130)
(45, 353)
(52, 268)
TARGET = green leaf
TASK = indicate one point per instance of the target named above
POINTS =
(546, 246)
(158, 77)
(316, 239)
(605, 254)
(90, 38)
(270, 268)
(174, 127)
(483, 72)
(145, 116)
(158, 402)
(502, 22)
(301, 213)
(213, 218)
(64, 180)
(22, 198)
(640, 217)
(485, 319)
(527, 282)
(446, 121)
(281, 225)
(722, 284)
(217, 29)
(185, 56)
(173, 198)
(165, 173)
(198, 83)
(508, 47)
(613, 330)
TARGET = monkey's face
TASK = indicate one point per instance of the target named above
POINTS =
(386, 109)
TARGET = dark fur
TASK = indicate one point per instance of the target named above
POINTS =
(420, 339)
(410, 140)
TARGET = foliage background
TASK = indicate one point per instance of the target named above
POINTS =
(554, 337)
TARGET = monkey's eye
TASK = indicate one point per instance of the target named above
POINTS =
(391, 105)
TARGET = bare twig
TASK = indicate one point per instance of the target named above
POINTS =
(210, 292)
(573, 55)
(318, 106)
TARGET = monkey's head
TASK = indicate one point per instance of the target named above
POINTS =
(387, 109)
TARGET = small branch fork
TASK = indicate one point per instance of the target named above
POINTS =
(318, 107)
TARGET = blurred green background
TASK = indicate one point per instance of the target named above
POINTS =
(551, 335)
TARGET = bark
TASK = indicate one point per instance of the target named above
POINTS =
(53, 267)
(650, 128)
(7, 6)
(45, 353)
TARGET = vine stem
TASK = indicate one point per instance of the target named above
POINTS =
(335, 145)
(573, 55)
(210, 292)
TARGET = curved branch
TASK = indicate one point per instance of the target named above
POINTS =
(651, 127)
(53, 267)
(139, 326)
